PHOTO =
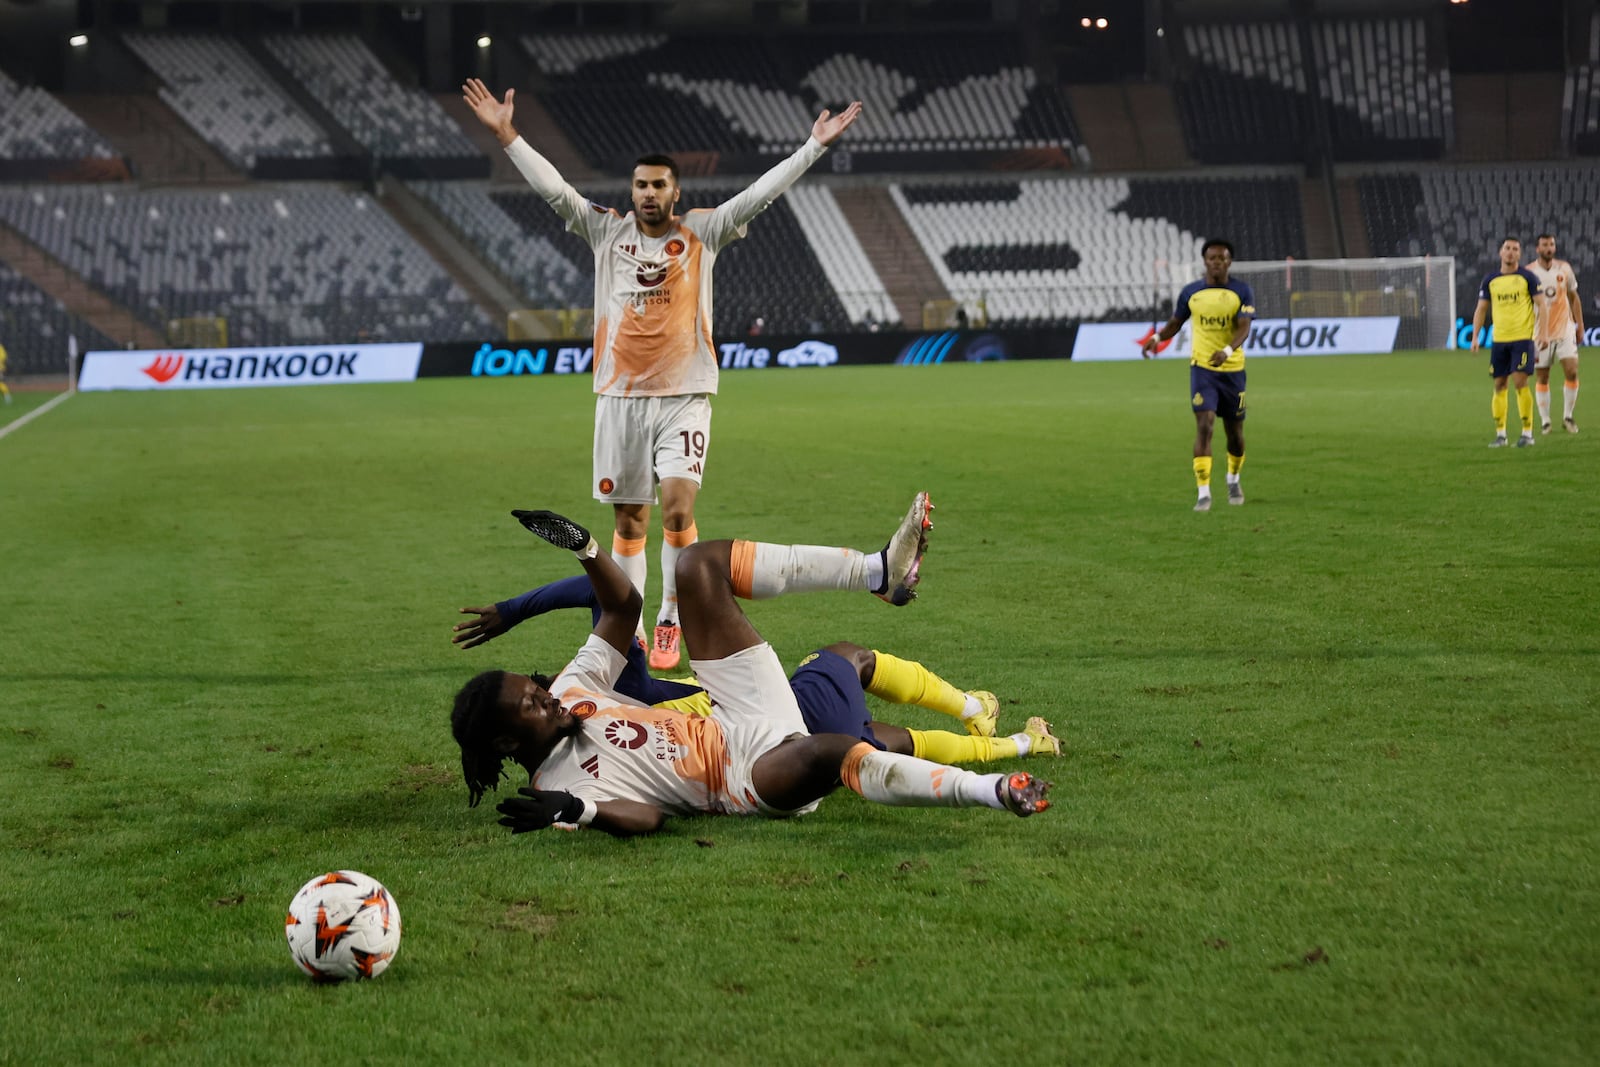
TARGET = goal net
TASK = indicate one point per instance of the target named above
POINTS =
(1420, 291)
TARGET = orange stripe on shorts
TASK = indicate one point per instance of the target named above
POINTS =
(742, 567)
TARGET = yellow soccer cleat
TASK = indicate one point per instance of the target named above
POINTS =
(987, 721)
(1040, 739)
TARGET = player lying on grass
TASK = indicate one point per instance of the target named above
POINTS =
(594, 758)
(830, 686)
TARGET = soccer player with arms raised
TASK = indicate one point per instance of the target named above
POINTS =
(1561, 332)
(655, 367)
(1518, 309)
(1221, 310)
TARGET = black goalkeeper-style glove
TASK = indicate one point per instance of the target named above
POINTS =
(556, 529)
(538, 809)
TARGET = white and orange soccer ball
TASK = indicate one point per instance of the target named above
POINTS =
(343, 924)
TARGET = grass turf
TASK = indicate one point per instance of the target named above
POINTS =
(1330, 792)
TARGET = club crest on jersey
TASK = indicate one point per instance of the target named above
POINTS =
(675, 247)
(583, 709)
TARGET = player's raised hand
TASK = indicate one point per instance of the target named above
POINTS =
(829, 126)
(495, 114)
(486, 627)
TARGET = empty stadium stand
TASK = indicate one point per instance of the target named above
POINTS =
(37, 126)
(1046, 251)
(297, 264)
(1465, 213)
(1251, 95)
(228, 98)
(1580, 110)
(34, 328)
(390, 120)
(749, 95)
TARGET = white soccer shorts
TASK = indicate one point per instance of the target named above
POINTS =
(1555, 351)
(754, 703)
(640, 440)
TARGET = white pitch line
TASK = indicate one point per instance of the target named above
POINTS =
(34, 414)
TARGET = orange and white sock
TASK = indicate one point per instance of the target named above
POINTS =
(1569, 398)
(907, 782)
(762, 570)
(1541, 395)
(629, 554)
(673, 544)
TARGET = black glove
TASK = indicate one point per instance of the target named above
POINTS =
(537, 809)
(556, 529)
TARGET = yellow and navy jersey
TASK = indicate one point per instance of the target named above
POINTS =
(1215, 312)
(1511, 304)
(2, 359)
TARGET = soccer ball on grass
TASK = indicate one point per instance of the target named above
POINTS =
(343, 924)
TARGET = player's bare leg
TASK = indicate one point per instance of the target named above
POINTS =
(678, 532)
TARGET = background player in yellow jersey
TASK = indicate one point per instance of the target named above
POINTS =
(1518, 308)
(4, 388)
(1560, 334)
(655, 369)
(1220, 310)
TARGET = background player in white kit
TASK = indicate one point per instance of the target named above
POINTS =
(1560, 334)
(655, 366)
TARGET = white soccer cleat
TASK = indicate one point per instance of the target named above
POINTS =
(902, 556)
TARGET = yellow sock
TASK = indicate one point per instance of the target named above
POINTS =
(904, 681)
(1202, 471)
(1234, 463)
(942, 746)
(1525, 408)
(1498, 408)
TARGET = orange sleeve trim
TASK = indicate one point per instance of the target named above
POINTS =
(742, 568)
(682, 538)
(850, 770)
(627, 546)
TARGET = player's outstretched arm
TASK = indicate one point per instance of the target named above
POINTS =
(493, 113)
(538, 809)
(498, 618)
(829, 126)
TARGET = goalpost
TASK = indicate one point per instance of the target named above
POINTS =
(1418, 290)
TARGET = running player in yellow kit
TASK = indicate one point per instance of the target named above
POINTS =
(1221, 310)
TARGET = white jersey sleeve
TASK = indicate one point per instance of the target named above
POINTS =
(729, 220)
(584, 217)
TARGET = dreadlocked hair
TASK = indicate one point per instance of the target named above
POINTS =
(474, 721)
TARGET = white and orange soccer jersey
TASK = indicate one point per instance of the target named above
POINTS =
(679, 763)
(652, 295)
(1555, 282)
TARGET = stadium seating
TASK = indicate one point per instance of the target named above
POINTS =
(1248, 97)
(929, 94)
(1580, 112)
(38, 126)
(387, 118)
(1465, 212)
(228, 98)
(520, 237)
(34, 328)
(283, 265)
(850, 273)
(1386, 99)
(1045, 251)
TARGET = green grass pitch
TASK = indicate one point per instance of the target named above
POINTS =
(1330, 792)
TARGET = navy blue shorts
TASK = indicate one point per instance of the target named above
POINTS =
(1510, 357)
(1221, 391)
(828, 690)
